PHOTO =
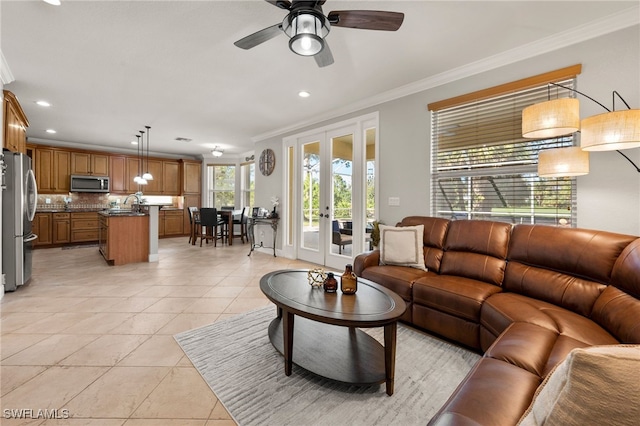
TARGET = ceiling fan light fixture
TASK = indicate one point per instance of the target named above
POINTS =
(306, 30)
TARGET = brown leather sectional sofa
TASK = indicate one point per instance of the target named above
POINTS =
(525, 295)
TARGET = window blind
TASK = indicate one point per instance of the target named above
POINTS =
(482, 167)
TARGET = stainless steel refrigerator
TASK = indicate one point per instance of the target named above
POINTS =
(19, 199)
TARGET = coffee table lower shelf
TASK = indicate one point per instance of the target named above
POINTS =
(343, 354)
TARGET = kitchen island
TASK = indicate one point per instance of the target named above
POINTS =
(124, 236)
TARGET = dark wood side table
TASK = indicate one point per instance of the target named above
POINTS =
(252, 222)
(326, 339)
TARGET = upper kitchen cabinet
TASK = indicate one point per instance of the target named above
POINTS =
(84, 163)
(171, 178)
(166, 177)
(153, 186)
(15, 124)
(118, 173)
(53, 170)
(191, 177)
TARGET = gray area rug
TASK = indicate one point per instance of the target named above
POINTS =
(237, 360)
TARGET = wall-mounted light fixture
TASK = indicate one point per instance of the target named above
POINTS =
(611, 131)
(217, 151)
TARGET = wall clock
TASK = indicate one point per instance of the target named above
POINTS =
(267, 162)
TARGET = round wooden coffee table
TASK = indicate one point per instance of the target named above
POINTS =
(326, 339)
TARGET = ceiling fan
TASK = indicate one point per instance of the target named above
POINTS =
(307, 26)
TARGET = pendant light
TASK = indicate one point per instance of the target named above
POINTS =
(147, 175)
(142, 180)
(137, 178)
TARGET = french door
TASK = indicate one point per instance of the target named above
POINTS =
(332, 186)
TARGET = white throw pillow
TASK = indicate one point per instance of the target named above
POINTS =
(402, 246)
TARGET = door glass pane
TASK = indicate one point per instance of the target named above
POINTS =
(310, 195)
(370, 153)
(342, 194)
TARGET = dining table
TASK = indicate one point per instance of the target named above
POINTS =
(227, 215)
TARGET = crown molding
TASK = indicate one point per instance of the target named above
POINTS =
(5, 72)
(608, 24)
(108, 149)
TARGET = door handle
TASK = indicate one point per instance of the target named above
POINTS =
(31, 237)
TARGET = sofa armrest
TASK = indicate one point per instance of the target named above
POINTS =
(366, 260)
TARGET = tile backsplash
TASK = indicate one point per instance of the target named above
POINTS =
(96, 200)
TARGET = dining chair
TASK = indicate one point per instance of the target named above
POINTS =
(241, 220)
(194, 223)
(209, 222)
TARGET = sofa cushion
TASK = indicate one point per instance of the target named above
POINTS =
(575, 294)
(435, 231)
(402, 246)
(476, 249)
(597, 385)
(524, 345)
(479, 236)
(564, 266)
(573, 330)
(493, 393)
(398, 279)
(458, 296)
(618, 307)
(619, 313)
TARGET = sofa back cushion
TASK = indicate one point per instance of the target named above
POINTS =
(568, 267)
(435, 231)
(618, 307)
(476, 249)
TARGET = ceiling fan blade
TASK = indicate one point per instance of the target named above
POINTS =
(282, 4)
(324, 57)
(259, 37)
(366, 19)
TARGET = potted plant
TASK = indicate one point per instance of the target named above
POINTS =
(375, 234)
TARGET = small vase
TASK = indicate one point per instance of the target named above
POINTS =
(330, 283)
(348, 281)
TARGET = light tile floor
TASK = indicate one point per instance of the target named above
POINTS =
(97, 340)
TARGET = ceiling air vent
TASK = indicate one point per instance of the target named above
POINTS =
(183, 139)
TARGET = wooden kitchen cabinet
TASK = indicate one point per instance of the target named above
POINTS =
(173, 223)
(191, 177)
(118, 174)
(84, 163)
(133, 170)
(41, 226)
(61, 228)
(52, 170)
(153, 186)
(15, 124)
(170, 178)
(84, 227)
(124, 239)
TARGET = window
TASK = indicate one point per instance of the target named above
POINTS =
(482, 167)
(248, 183)
(222, 185)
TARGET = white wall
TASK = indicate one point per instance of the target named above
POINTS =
(608, 198)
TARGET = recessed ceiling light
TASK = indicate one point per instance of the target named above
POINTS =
(53, 2)
(50, 131)
(134, 142)
(43, 103)
(304, 94)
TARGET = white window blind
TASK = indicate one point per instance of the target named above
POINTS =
(482, 167)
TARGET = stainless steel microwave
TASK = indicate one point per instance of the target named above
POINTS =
(89, 183)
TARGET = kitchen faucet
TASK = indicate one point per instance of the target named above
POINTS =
(137, 196)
